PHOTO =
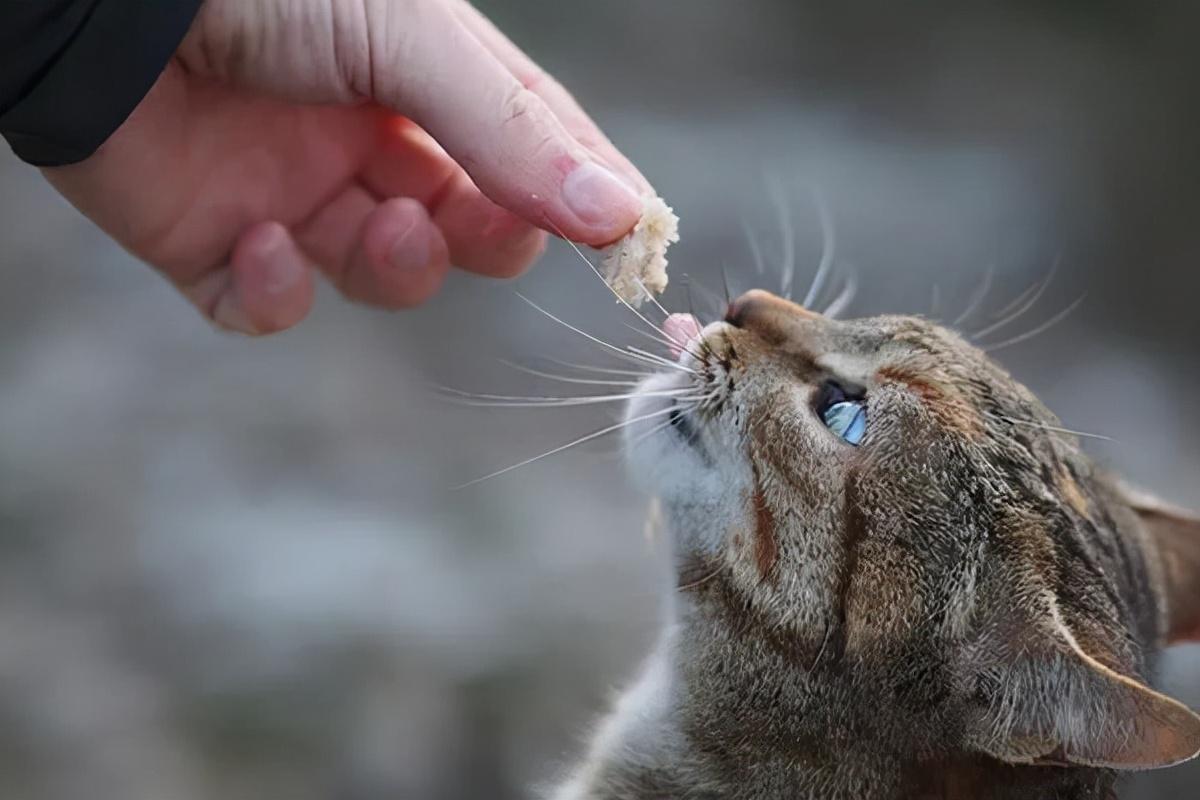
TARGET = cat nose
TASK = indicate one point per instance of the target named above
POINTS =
(760, 310)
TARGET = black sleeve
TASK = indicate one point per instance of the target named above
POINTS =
(71, 71)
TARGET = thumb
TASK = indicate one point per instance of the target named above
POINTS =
(505, 136)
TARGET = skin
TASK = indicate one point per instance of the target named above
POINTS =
(962, 606)
(377, 141)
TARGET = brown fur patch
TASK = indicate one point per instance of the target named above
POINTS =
(854, 532)
(766, 546)
(1072, 493)
(946, 403)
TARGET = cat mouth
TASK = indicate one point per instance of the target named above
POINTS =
(681, 331)
(686, 428)
(682, 423)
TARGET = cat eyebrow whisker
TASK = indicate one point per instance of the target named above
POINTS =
(755, 250)
(843, 300)
(1047, 427)
(1030, 423)
(687, 289)
(709, 294)
(1045, 326)
(787, 270)
(828, 249)
(1027, 300)
(978, 297)
(582, 439)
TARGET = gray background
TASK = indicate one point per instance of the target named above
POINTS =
(232, 568)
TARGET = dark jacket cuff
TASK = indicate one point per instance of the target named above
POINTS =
(97, 80)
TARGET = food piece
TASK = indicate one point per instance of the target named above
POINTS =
(642, 254)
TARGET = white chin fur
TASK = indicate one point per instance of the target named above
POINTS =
(662, 461)
(701, 496)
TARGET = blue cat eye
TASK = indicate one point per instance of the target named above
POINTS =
(847, 419)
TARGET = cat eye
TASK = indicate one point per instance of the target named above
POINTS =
(844, 415)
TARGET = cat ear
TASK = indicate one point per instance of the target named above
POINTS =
(1064, 707)
(1176, 533)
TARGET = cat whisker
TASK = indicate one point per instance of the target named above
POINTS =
(574, 443)
(650, 336)
(660, 360)
(566, 378)
(978, 297)
(824, 643)
(650, 296)
(611, 290)
(935, 304)
(459, 394)
(1040, 329)
(1014, 311)
(683, 587)
(601, 370)
(607, 346)
(684, 403)
(828, 250)
(672, 343)
(641, 438)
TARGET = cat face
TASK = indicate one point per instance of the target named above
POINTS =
(814, 432)
(882, 494)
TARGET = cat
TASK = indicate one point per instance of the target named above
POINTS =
(898, 577)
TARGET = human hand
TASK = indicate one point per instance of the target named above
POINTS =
(379, 140)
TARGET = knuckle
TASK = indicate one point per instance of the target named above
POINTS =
(531, 76)
(519, 102)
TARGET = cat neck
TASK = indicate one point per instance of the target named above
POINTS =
(752, 715)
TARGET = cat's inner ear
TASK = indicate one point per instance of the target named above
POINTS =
(1176, 534)
(1061, 706)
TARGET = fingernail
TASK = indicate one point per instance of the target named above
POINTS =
(410, 249)
(280, 272)
(599, 198)
(229, 315)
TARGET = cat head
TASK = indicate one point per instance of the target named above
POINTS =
(883, 493)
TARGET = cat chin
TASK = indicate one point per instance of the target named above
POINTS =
(659, 458)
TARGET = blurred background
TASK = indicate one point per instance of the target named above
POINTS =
(233, 568)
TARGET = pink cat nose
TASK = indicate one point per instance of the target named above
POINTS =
(680, 329)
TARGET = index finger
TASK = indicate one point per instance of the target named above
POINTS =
(561, 102)
(507, 138)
